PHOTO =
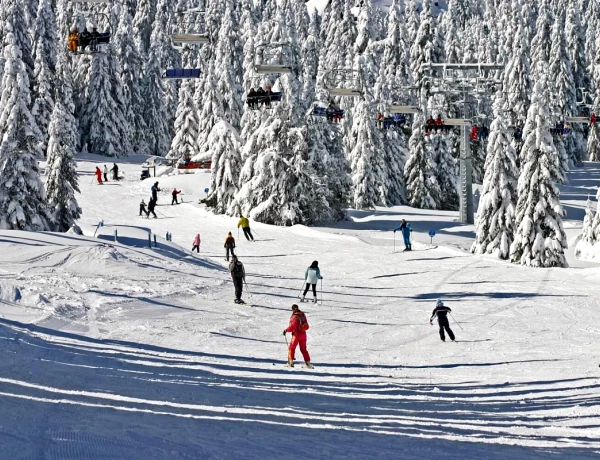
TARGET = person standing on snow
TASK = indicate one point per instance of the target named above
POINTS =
(105, 174)
(115, 171)
(143, 209)
(406, 231)
(155, 191)
(98, 175)
(151, 206)
(441, 312)
(174, 194)
(245, 223)
(238, 275)
(298, 327)
(229, 246)
(196, 245)
(311, 275)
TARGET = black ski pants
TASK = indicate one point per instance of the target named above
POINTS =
(444, 324)
(248, 234)
(227, 251)
(238, 284)
(105, 178)
(314, 289)
(151, 211)
(196, 247)
(174, 200)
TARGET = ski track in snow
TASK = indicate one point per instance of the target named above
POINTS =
(119, 351)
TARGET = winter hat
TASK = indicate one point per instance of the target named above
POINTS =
(315, 264)
(439, 303)
(229, 233)
(295, 307)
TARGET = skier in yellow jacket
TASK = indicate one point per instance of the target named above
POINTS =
(245, 224)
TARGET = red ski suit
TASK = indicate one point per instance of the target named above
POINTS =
(98, 175)
(298, 336)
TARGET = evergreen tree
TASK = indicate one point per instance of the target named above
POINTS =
(540, 46)
(447, 171)
(587, 233)
(496, 213)
(143, 25)
(23, 204)
(44, 57)
(540, 240)
(596, 221)
(185, 143)
(62, 181)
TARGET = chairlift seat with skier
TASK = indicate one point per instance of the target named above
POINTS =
(333, 114)
(258, 99)
(181, 74)
(274, 58)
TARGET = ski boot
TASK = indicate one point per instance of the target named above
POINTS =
(290, 363)
(302, 299)
(315, 300)
(308, 365)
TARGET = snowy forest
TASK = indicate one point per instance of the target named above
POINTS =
(282, 163)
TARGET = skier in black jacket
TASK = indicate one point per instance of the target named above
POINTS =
(441, 312)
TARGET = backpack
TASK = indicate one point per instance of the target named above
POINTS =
(303, 326)
(238, 268)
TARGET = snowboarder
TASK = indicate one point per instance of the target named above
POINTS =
(155, 191)
(151, 206)
(143, 209)
(441, 312)
(298, 327)
(245, 223)
(196, 245)
(105, 174)
(406, 231)
(229, 246)
(238, 275)
(98, 175)
(311, 275)
(174, 194)
(115, 171)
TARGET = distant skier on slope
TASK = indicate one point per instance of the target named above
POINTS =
(229, 246)
(115, 171)
(174, 194)
(196, 244)
(98, 175)
(105, 174)
(311, 275)
(155, 191)
(151, 206)
(406, 230)
(245, 223)
(441, 312)
(298, 327)
(238, 275)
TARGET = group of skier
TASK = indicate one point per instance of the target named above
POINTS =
(100, 173)
(80, 41)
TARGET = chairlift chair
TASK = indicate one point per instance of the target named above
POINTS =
(344, 83)
(273, 58)
(181, 74)
(188, 32)
(333, 115)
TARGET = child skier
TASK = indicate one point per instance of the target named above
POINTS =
(238, 275)
(196, 245)
(151, 206)
(311, 275)
(441, 312)
(229, 246)
(406, 230)
(298, 327)
(174, 194)
(143, 209)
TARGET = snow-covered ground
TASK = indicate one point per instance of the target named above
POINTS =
(117, 350)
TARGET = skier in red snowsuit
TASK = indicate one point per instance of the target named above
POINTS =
(298, 327)
(98, 175)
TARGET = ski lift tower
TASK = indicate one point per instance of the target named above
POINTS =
(465, 81)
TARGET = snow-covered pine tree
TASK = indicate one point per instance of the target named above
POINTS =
(130, 79)
(23, 204)
(593, 142)
(540, 239)
(496, 214)
(587, 233)
(541, 43)
(596, 221)
(62, 181)
(143, 25)
(16, 21)
(447, 171)
(44, 57)
(153, 94)
(563, 100)
(102, 119)
(185, 143)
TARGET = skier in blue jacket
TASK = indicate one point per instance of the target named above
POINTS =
(406, 230)
(312, 274)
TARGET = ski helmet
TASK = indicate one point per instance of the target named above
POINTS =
(439, 303)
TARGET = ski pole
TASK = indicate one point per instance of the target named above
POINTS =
(394, 241)
(300, 293)
(247, 288)
(321, 291)
(286, 342)
(456, 322)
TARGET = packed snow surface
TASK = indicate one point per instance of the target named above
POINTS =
(118, 350)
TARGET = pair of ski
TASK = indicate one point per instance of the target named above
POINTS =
(239, 302)
(304, 366)
(306, 300)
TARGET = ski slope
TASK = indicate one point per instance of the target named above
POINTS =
(118, 350)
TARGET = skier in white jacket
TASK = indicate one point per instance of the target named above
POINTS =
(311, 276)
